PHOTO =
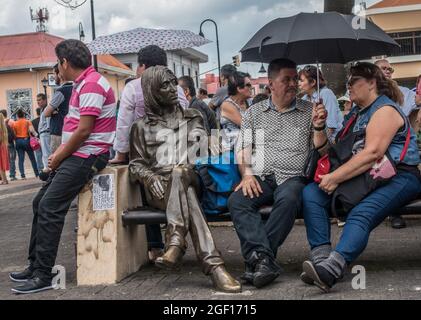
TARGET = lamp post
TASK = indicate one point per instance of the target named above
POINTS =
(93, 33)
(217, 44)
(81, 32)
(44, 82)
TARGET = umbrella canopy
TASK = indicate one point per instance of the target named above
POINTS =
(317, 37)
(134, 40)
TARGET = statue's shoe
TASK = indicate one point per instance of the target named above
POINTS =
(171, 259)
(223, 281)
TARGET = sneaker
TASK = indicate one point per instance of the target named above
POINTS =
(397, 222)
(13, 179)
(306, 279)
(267, 270)
(33, 285)
(21, 276)
(43, 176)
(248, 275)
(321, 277)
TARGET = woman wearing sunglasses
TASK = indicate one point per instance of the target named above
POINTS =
(386, 135)
(234, 107)
(307, 83)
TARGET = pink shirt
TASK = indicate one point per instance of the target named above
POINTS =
(92, 96)
(132, 108)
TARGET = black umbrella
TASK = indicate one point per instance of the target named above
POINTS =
(327, 37)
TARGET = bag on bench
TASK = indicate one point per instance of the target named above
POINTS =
(219, 176)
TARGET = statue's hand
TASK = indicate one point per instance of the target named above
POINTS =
(156, 187)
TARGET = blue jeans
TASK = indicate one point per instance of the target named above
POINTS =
(38, 157)
(12, 160)
(362, 219)
(22, 146)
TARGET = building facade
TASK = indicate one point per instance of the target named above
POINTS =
(27, 59)
(401, 19)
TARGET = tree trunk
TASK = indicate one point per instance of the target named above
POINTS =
(335, 74)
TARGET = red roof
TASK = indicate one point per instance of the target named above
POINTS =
(394, 3)
(37, 48)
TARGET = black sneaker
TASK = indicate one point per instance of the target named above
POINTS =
(21, 276)
(321, 277)
(267, 270)
(248, 275)
(13, 179)
(43, 176)
(33, 285)
(397, 222)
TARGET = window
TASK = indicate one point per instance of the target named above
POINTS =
(410, 43)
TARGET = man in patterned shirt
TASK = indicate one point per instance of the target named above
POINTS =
(88, 133)
(278, 134)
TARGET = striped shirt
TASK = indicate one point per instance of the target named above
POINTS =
(92, 96)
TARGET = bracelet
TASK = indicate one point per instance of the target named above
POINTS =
(320, 128)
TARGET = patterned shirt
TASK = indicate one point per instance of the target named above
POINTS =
(92, 96)
(281, 141)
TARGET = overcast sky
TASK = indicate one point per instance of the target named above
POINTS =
(238, 20)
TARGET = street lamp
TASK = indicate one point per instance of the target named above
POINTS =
(81, 32)
(217, 44)
(262, 69)
(45, 84)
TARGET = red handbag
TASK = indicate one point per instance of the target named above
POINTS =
(323, 165)
(34, 142)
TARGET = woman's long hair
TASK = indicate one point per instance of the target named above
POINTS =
(3, 130)
(387, 87)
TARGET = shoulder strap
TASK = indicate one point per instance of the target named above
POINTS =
(348, 126)
(407, 141)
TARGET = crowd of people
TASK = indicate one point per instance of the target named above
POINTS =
(373, 136)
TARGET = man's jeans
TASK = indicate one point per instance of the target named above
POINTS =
(38, 157)
(253, 233)
(22, 146)
(50, 207)
(45, 147)
(362, 219)
(12, 160)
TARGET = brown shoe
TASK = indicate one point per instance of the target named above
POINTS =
(223, 281)
(171, 259)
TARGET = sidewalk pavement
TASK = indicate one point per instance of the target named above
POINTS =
(392, 261)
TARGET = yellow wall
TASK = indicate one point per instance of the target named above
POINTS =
(398, 22)
(32, 80)
(407, 70)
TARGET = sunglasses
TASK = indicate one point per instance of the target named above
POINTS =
(352, 80)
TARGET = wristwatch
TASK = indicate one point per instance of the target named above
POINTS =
(320, 128)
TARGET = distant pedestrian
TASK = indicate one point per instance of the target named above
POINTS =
(12, 147)
(38, 153)
(308, 85)
(221, 95)
(187, 83)
(43, 132)
(4, 152)
(23, 129)
(202, 94)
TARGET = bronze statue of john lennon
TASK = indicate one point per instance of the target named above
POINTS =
(170, 182)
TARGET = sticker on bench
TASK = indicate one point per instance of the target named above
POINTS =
(103, 192)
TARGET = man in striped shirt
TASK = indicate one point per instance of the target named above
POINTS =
(88, 133)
